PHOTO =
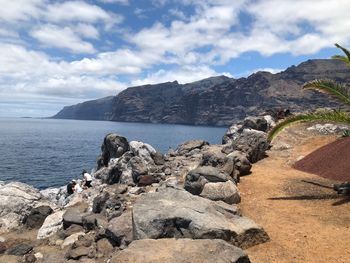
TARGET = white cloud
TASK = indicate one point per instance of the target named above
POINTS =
(87, 30)
(53, 36)
(183, 75)
(123, 2)
(20, 10)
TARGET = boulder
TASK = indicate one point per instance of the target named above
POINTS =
(241, 162)
(219, 160)
(73, 216)
(173, 213)
(16, 202)
(147, 180)
(120, 229)
(99, 202)
(20, 250)
(68, 241)
(143, 150)
(37, 216)
(232, 133)
(227, 192)
(212, 174)
(104, 247)
(138, 168)
(252, 142)
(51, 225)
(114, 146)
(197, 178)
(180, 250)
(158, 158)
(189, 146)
(255, 123)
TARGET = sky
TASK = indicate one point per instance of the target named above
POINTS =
(58, 53)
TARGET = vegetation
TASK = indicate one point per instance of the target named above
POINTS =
(337, 90)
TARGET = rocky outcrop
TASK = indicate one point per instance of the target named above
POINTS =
(176, 213)
(180, 250)
(220, 100)
(17, 200)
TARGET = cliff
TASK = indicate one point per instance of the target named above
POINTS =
(220, 101)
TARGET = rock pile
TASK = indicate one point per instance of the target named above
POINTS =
(149, 207)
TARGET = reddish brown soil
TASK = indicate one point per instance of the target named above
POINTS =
(305, 222)
(331, 161)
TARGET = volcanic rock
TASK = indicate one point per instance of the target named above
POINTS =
(176, 213)
(180, 250)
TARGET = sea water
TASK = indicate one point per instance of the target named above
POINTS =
(50, 152)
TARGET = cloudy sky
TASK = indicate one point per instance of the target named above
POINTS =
(56, 53)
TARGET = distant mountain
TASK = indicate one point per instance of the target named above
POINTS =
(99, 109)
(218, 101)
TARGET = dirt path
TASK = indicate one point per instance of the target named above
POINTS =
(306, 223)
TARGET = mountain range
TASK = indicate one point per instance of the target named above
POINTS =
(216, 101)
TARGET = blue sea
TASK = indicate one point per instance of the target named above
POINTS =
(49, 152)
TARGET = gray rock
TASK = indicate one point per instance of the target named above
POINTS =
(227, 192)
(158, 158)
(232, 133)
(16, 202)
(180, 250)
(138, 168)
(241, 162)
(176, 213)
(73, 216)
(20, 250)
(143, 150)
(37, 216)
(113, 146)
(255, 123)
(194, 183)
(104, 247)
(210, 173)
(120, 229)
(99, 202)
(51, 225)
(189, 146)
(252, 142)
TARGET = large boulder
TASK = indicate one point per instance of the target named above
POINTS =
(219, 160)
(189, 146)
(113, 146)
(227, 192)
(255, 123)
(16, 202)
(120, 229)
(252, 142)
(143, 150)
(232, 133)
(241, 162)
(51, 225)
(37, 216)
(176, 213)
(197, 178)
(180, 250)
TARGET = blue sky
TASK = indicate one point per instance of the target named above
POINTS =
(57, 53)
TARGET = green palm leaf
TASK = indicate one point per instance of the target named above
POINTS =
(324, 116)
(341, 92)
(346, 52)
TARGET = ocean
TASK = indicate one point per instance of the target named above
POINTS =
(50, 152)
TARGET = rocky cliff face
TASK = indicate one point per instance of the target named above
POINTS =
(221, 100)
(90, 110)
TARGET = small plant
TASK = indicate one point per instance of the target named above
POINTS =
(346, 133)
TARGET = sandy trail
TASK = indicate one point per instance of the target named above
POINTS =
(306, 223)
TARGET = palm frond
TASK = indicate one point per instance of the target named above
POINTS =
(342, 58)
(346, 52)
(324, 116)
(341, 92)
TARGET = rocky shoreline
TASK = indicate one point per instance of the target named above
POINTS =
(144, 206)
